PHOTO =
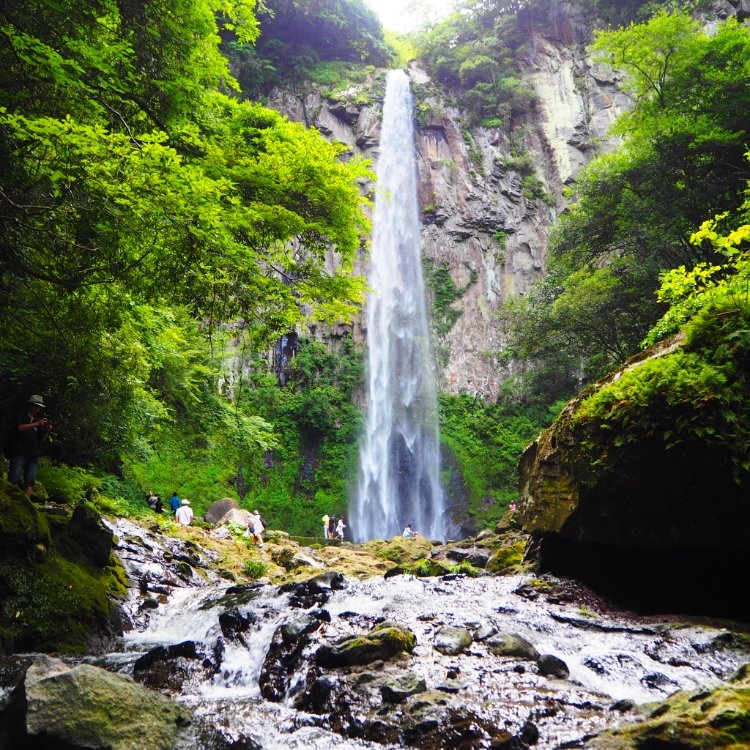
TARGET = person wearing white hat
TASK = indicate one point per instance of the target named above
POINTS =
(26, 442)
(184, 514)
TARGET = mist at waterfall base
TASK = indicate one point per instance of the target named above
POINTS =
(400, 455)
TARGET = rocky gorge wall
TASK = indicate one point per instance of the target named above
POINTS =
(484, 220)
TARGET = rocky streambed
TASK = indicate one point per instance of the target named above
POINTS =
(451, 661)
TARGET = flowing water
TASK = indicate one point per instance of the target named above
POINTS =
(399, 458)
(610, 657)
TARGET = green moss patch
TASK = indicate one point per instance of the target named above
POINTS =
(690, 721)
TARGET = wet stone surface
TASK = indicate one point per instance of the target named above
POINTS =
(540, 664)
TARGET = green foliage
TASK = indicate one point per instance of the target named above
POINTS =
(142, 211)
(467, 569)
(695, 396)
(310, 468)
(297, 37)
(442, 293)
(67, 484)
(473, 51)
(485, 442)
(635, 209)
(255, 569)
(699, 393)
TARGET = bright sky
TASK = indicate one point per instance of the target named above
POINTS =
(408, 15)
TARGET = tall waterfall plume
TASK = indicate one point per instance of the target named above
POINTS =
(400, 455)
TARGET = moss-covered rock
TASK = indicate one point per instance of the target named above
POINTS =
(22, 527)
(640, 486)
(89, 707)
(384, 641)
(690, 721)
(54, 597)
(424, 568)
(507, 560)
(402, 550)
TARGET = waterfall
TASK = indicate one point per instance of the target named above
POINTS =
(400, 456)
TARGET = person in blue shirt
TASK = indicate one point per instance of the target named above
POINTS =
(174, 502)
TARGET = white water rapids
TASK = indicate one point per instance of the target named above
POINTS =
(400, 456)
(610, 656)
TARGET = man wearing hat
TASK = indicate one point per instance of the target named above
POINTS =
(184, 514)
(30, 432)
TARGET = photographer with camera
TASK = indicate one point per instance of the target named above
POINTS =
(26, 442)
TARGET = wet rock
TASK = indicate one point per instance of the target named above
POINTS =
(476, 557)
(595, 665)
(529, 734)
(317, 697)
(450, 640)
(483, 632)
(315, 590)
(603, 627)
(308, 623)
(284, 658)
(384, 641)
(216, 511)
(681, 724)
(398, 689)
(623, 706)
(233, 623)
(450, 686)
(659, 681)
(174, 667)
(235, 596)
(88, 707)
(510, 644)
(553, 666)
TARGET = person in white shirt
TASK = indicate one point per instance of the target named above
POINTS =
(184, 514)
(340, 529)
(256, 521)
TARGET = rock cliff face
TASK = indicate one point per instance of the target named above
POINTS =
(488, 196)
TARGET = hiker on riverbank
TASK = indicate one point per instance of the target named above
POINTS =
(26, 443)
(257, 527)
(340, 526)
(184, 514)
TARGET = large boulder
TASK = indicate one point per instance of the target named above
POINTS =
(93, 537)
(640, 486)
(216, 511)
(238, 517)
(88, 707)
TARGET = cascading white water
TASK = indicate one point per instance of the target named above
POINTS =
(400, 457)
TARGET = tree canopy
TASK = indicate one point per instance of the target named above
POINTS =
(635, 209)
(141, 203)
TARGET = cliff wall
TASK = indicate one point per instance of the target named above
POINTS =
(488, 196)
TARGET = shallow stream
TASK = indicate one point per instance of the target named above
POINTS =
(614, 660)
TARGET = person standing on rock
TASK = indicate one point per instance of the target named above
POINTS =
(326, 521)
(258, 527)
(26, 443)
(174, 502)
(340, 529)
(332, 527)
(184, 514)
